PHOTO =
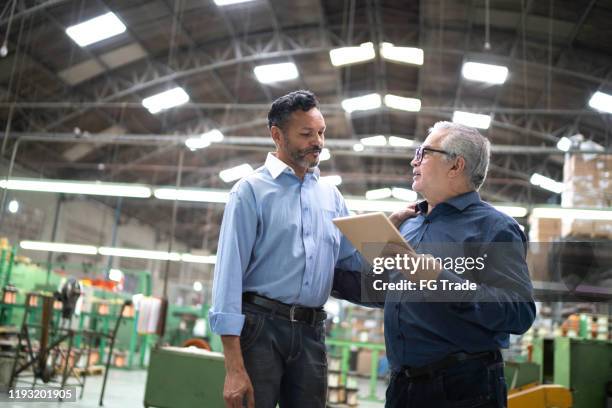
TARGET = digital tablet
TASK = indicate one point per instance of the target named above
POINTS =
(369, 233)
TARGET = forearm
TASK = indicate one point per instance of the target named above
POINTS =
(233, 354)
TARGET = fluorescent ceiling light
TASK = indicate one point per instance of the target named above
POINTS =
(195, 143)
(546, 183)
(213, 136)
(400, 142)
(355, 204)
(139, 253)
(335, 179)
(574, 213)
(166, 100)
(404, 194)
(205, 259)
(352, 55)
(58, 247)
(325, 154)
(378, 194)
(13, 206)
(97, 29)
(406, 55)
(379, 140)
(76, 187)
(564, 144)
(197, 286)
(472, 119)
(601, 101)
(235, 173)
(267, 74)
(402, 103)
(186, 194)
(358, 147)
(512, 211)
(229, 2)
(491, 74)
(115, 275)
(365, 102)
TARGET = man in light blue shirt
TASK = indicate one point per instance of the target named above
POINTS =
(277, 251)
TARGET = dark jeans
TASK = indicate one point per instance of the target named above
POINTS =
(467, 384)
(286, 361)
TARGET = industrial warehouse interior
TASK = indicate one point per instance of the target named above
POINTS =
(130, 127)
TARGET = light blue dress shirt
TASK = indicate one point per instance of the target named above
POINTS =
(277, 239)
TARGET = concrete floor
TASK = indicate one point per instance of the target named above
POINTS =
(125, 389)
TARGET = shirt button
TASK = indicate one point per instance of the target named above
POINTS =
(306, 284)
(310, 257)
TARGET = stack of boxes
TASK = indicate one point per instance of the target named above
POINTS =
(587, 179)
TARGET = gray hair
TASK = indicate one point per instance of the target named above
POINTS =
(467, 142)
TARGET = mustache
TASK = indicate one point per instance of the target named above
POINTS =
(317, 149)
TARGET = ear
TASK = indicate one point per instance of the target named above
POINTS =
(277, 136)
(457, 168)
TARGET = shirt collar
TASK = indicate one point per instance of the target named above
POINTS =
(460, 202)
(276, 166)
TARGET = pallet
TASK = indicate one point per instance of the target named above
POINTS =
(92, 370)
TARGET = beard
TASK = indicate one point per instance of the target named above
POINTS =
(300, 156)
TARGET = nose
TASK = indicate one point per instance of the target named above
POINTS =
(413, 162)
(318, 140)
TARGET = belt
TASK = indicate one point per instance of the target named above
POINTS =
(293, 313)
(431, 370)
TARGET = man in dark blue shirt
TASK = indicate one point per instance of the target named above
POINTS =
(443, 336)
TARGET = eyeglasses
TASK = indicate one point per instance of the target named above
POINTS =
(420, 153)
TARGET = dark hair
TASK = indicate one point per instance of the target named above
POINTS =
(284, 106)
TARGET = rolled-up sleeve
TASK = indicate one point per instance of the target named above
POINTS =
(236, 240)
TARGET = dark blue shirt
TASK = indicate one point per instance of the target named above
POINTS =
(422, 326)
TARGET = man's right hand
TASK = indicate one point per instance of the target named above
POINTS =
(237, 386)
(237, 382)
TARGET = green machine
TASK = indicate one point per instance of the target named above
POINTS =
(184, 378)
(584, 366)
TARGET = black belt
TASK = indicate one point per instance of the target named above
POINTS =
(431, 370)
(293, 313)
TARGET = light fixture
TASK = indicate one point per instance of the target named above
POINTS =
(378, 194)
(379, 140)
(115, 275)
(187, 194)
(96, 29)
(364, 102)
(512, 211)
(564, 144)
(78, 187)
(572, 213)
(402, 103)
(407, 55)
(358, 147)
(229, 2)
(13, 206)
(197, 286)
(267, 74)
(213, 136)
(139, 253)
(489, 73)
(476, 120)
(396, 141)
(325, 154)
(356, 204)
(404, 194)
(205, 140)
(601, 101)
(58, 247)
(335, 180)
(235, 173)
(352, 55)
(196, 143)
(205, 259)
(546, 183)
(166, 100)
